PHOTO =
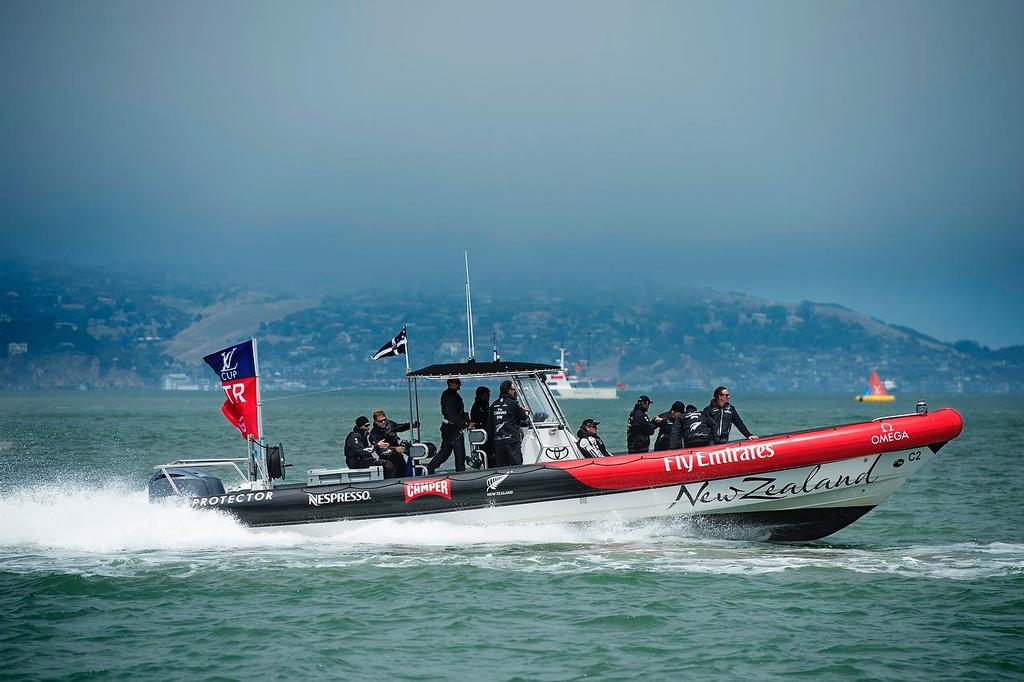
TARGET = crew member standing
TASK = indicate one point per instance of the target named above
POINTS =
(453, 421)
(721, 415)
(690, 430)
(507, 419)
(668, 419)
(639, 427)
(480, 415)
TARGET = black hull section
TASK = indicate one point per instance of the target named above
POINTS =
(298, 504)
(789, 525)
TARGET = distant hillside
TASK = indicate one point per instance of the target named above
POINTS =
(65, 327)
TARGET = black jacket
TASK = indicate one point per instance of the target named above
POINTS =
(720, 421)
(639, 430)
(359, 451)
(592, 445)
(507, 417)
(664, 431)
(689, 431)
(453, 410)
(389, 432)
(480, 414)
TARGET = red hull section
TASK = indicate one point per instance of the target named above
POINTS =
(806, 448)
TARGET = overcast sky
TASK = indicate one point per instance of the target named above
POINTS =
(863, 153)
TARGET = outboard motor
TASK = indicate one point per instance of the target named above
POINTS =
(190, 481)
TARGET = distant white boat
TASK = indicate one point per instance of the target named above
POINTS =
(568, 387)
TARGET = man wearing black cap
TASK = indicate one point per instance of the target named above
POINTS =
(453, 421)
(359, 452)
(662, 442)
(639, 428)
(590, 443)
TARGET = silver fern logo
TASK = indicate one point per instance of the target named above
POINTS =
(494, 481)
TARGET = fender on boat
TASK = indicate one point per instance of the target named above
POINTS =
(818, 446)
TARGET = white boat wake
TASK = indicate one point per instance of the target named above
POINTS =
(114, 530)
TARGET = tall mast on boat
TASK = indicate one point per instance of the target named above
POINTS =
(469, 312)
(588, 353)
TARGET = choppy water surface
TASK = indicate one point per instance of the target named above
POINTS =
(94, 581)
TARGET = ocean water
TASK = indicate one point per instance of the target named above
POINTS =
(97, 583)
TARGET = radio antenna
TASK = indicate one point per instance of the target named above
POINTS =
(469, 312)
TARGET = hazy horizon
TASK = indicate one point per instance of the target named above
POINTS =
(867, 154)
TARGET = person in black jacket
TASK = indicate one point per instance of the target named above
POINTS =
(480, 415)
(690, 430)
(507, 419)
(386, 430)
(668, 419)
(454, 421)
(360, 453)
(590, 443)
(721, 415)
(639, 427)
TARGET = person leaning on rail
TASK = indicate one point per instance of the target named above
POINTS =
(721, 415)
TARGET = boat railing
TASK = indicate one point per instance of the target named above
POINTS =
(231, 462)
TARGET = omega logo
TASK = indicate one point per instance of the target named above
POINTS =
(888, 435)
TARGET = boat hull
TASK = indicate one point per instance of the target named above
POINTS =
(800, 486)
(585, 393)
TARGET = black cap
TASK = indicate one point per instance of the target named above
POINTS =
(643, 399)
(588, 422)
(362, 420)
(678, 406)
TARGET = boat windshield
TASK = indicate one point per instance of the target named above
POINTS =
(536, 398)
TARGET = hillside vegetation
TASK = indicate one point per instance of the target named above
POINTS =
(68, 327)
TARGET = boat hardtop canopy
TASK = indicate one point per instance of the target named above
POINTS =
(472, 369)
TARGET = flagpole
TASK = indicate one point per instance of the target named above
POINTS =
(408, 369)
(259, 400)
(405, 328)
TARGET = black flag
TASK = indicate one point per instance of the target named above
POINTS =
(395, 346)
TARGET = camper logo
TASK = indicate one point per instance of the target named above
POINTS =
(437, 486)
(888, 435)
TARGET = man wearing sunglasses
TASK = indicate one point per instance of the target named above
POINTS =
(386, 431)
(720, 415)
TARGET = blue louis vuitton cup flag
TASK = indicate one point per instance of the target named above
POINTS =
(394, 347)
(236, 366)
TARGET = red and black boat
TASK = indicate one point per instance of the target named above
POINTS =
(791, 486)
